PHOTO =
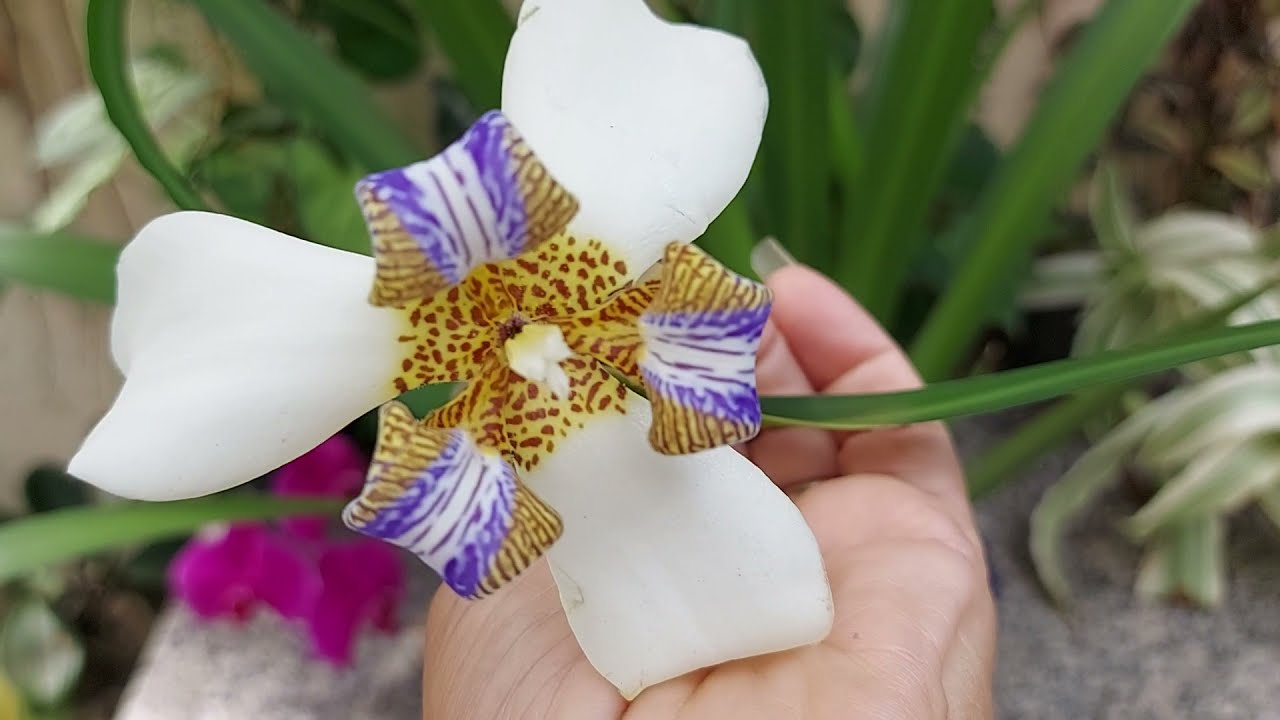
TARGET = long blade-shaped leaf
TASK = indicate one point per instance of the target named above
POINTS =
(106, 43)
(1086, 92)
(998, 391)
(69, 264)
(474, 35)
(917, 106)
(298, 71)
(33, 542)
(791, 42)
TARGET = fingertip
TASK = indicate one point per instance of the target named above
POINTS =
(828, 332)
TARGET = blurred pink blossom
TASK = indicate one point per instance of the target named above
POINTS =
(335, 468)
(305, 569)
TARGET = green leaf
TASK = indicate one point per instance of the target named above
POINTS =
(378, 37)
(33, 542)
(916, 108)
(428, 397)
(303, 76)
(1063, 502)
(999, 391)
(66, 263)
(1218, 411)
(1088, 89)
(730, 237)
(48, 488)
(1216, 482)
(1114, 220)
(474, 35)
(791, 44)
(326, 205)
(40, 654)
(108, 63)
(734, 16)
(250, 180)
(1186, 561)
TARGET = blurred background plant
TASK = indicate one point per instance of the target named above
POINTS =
(972, 170)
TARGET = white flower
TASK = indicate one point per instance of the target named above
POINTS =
(243, 348)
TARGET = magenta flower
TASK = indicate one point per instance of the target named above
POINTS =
(333, 587)
(363, 584)
(232, 573)
(335, 468)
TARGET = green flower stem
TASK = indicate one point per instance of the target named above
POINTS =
(107, 40)
(30, 543)
(999, 391)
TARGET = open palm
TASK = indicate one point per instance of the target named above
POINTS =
(914, 633)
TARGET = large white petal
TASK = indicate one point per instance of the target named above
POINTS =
(673, 563)
(652, 126)
(242, 349)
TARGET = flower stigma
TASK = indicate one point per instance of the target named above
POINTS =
(535, 352)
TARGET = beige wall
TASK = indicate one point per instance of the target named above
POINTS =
(55, 373)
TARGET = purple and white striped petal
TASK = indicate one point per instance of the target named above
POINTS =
(701, 334)
(457, 506)
(485, 198)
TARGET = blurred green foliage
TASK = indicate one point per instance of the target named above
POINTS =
(886, 185)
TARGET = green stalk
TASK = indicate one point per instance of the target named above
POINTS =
(917, 107)
(1123, 40)
(106, 36)
(474, 35)
(77, 266)
(35, 541)
(999, 391)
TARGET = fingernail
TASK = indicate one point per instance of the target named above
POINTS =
(769, 256)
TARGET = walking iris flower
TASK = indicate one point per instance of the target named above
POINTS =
(542, 260)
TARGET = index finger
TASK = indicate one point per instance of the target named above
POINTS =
(843, 350)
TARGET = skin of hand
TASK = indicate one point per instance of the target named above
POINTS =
(915, 626)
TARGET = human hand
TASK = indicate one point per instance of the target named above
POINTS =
(914, 632)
